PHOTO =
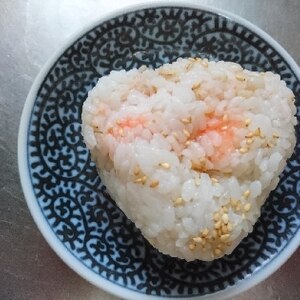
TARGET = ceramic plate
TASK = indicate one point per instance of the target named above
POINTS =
(67, 198)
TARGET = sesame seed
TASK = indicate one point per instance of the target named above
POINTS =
(121, 132)
(197, 239)
(229, 227)
(249, 141)
(192, 247)
(154, 183)
(143, 179)
(186, 120)
(119, 122)
(224, 229)
(218, 252)
(165, 165)
(247, 207)
(175, 134)
(247, 193)
(205, 232)
(224, 127)
(275, 135)
(225, 209)
(249, 135)
(240, 77)
(243, 150)
(224, 237)
(186, 133)
(225, 118)
(225, 218)
(247, 122)
(238, 206)
(233, 202)
(178, 201)
(214, 180)
(218, 225)
(196, 86)
(204, 62)
(257, 132)
(216, 217)
(189, 66)
(214, 233)
(187, 143)
(136, 170)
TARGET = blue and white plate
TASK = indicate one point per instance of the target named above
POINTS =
(66, 197)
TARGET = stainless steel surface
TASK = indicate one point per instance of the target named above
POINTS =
(29, 32)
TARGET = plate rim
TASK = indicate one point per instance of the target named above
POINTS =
(57, 246)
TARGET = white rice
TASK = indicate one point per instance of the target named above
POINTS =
(190, 151)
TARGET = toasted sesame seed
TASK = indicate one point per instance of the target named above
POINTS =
(225, 118)
(186, 120)
(247, 193)
(154, 183)
(218, 225)
(144, 179)
(233, 202)
(214, 180)
(257, 132)
(165, 165)
(224, 127)
(240, 77)
(186, 133)
(224, 237)
(178, 201)
(247, 122)
(216, 217)
(243, 150)
(238, 206)
(138, 180)
(192, 59)
(198, 166)
(214, 233)
(225, 209)
(187, 143)
(196, 86)
(175, 134)
(204, 62)
(192, 247)
(119, 122)
(189, 66)
(270, 145)
(136, 170)
(110, 130)
(249, 135)
(247, 207)
(121, 132)
(218, 252)
(205, 232)
(225, 218)
(275, 135)
(224, 229)
(249, 141)
(197, 239)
